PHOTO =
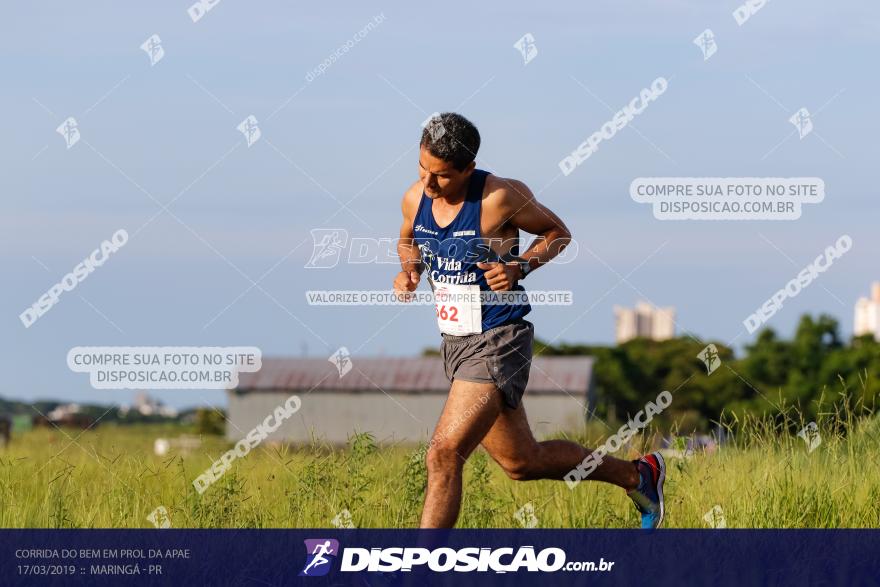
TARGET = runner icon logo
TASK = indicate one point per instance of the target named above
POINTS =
(321, 552)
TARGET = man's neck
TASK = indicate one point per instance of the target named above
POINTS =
(460, 196)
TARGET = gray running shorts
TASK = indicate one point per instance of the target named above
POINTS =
(500, 355)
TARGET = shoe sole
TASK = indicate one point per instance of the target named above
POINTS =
(660, 482)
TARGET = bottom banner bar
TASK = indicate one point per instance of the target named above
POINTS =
(433, 557)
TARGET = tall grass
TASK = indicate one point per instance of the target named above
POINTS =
(764, 477)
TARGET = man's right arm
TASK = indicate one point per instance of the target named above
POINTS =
(407, 279)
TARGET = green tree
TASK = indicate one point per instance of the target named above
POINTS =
(210, 421)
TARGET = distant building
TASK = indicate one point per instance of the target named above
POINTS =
(63, 411)
(644, 321)
(65, 415)
(146, 405)
(867, 315)
(395, 399)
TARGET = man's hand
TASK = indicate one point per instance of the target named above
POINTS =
(501, 276)
(404, 283)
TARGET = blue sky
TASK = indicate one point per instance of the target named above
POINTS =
(169, 131)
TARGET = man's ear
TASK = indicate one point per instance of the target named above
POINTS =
(465, 174)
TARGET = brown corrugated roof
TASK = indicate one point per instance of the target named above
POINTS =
(563, 375)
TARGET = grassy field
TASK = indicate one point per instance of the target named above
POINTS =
(110, 478)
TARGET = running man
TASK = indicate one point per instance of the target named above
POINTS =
(461, 228)
(319, 552)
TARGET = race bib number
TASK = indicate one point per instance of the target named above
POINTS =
(458, 309)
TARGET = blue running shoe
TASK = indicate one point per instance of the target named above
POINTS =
(648, 496)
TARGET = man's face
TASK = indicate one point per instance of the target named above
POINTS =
(440, 178)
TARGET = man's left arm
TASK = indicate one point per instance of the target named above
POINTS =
(521, 210)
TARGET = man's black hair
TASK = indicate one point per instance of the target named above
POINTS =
(451, 137)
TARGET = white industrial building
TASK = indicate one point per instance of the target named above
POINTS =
(395, 399)
(644, 321)
(867, 315)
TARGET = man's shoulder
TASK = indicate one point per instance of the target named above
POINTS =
(414, 190)
(412, 196)
(502, 192)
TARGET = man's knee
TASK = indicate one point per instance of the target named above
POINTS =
(519, 469)
(442, 458)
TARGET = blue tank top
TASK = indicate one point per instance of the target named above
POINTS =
(451, 253)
